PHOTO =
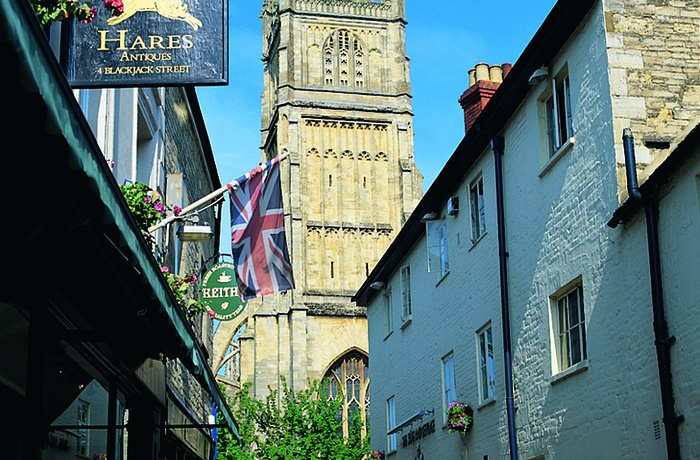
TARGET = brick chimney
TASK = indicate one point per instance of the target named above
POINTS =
(483, 82)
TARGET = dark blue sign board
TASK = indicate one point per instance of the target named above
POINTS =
(152, 43)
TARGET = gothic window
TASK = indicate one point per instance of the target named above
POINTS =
(230, 366)
(349, 378)
(343, 60)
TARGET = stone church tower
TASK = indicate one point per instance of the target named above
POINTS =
(337, 99)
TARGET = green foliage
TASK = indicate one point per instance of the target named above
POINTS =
(180, 285)
(48, 11)
(304, 426)
(148, 209)
(145, 205)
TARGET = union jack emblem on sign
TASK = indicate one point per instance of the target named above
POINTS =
(258, 241)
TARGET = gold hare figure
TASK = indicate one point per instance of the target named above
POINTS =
(171, 9)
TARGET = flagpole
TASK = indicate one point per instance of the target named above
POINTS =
(215, 194)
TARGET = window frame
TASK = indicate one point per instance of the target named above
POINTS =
(406, 310)
(391, 424)
(82, 440)
(487, 370)
(564, 341)
(388, 314)
(449, 382)
(348, 377)
(438, 256)
(556, 116)
(477, 212)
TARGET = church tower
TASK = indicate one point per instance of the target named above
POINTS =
(337, 100)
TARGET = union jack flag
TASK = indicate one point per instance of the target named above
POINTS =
(258, 242)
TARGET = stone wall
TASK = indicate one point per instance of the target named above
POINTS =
(654, 71)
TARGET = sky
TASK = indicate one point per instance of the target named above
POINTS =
(443, 42)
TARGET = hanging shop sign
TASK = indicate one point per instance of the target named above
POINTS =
(219, 292)
(150, 43)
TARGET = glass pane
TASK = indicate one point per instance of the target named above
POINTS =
(563, 353)
(482, 219)
(561, 114)
(575, 345)
(482, 366)
(562, 316)
(474, 201)
(573, 308)
(490, 363)
(551, 133)
(567, 95)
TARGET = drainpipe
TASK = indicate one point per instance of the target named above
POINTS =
(662, 340)
(497, 145)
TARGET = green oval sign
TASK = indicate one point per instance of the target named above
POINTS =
(219, 292)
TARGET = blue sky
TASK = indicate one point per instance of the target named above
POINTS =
(443, 41)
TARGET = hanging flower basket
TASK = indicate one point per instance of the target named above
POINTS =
(180, 285)
(49, 11)
(460, 418)
(146, 206)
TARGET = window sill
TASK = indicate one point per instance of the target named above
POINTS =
(442, 278)
(486, 403)
(568, 145)
(388, 335)
(566, 373)
(406, 323)
(476, 241)
(391, 452)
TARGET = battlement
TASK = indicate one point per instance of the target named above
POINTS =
(378, 9)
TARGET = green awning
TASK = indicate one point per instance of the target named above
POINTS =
(40, 73)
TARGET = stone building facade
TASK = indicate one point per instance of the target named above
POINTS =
(548, 316)
(336, 100)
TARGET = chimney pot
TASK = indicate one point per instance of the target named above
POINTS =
(506, 68)
(495, 73)
(482, 71)
(472, 77)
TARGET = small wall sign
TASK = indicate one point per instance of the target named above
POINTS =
(219, 292)
(418, 433)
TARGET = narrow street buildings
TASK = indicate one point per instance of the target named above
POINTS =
(543, 280)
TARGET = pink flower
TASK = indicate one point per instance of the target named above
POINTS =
(211, 313)
(177, 210)
(116, 7)
(85, 13)
(160, 208)
(164, 269)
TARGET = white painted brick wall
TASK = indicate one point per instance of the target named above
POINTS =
(556, 231)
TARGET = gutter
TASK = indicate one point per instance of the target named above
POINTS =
(497, 145)
(663, 340)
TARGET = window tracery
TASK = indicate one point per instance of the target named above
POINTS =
(343, 60)
(349, 378)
